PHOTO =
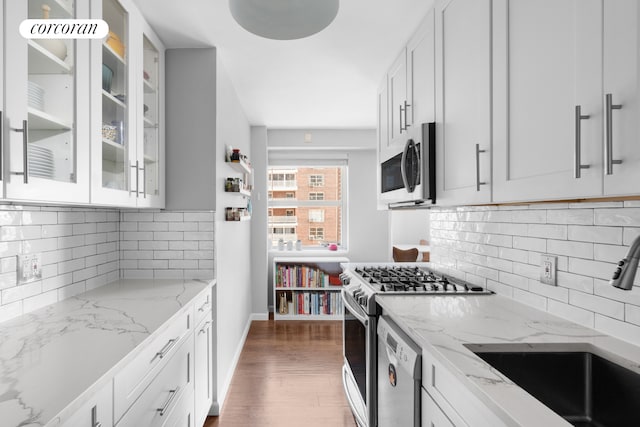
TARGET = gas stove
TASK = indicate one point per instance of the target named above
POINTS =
(364, 281)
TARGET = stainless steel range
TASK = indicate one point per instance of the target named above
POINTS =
(361, 284)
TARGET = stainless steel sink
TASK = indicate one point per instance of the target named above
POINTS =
(582, 387)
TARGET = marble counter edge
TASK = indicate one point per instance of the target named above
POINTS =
(589, 342)
(103, 380)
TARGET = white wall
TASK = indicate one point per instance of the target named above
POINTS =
(233, 239)
(500, 248)
(259, 250)
(367, 229)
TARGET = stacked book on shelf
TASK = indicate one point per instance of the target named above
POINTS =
(302, 276)
(310, 303)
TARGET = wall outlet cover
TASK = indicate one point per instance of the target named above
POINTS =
(548, 269)
(29, 268)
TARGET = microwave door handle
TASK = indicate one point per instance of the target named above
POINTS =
(415, 165)
(403, 167)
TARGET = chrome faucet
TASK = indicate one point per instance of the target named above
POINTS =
(627, 268)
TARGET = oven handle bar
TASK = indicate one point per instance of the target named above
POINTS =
(352, 405)
(354, 308)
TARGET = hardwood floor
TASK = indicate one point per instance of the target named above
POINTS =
(289, 374)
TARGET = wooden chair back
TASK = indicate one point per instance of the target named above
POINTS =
(408, 255)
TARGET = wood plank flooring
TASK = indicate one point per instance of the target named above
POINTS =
(289, 374)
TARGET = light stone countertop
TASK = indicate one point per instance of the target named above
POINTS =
(443, 325)
(53, 359)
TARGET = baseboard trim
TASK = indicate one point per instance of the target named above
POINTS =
(259, 316)
(234, 363)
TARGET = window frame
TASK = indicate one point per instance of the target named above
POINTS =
(275, 162)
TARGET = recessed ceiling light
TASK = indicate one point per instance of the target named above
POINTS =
(284, 19)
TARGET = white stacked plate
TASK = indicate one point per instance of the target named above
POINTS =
(35, 96)
(40, 161)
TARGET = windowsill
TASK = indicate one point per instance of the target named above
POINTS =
(305, 252)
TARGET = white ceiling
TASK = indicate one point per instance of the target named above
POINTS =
(328, 80)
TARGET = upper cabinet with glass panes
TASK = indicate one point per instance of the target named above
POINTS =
(47, 105)
(127, 120)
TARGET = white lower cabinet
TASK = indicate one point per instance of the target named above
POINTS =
(203, 379)
(448, 392)
(159, 401)
(432, 415)
(98, 411)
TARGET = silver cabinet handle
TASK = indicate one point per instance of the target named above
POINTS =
(608, 149)
(94, 417)
(204, 328)
(144, 181)
(400, 117)
(165, 407)
(202, 308)
(137, 168)
(478, 182)
(164, 350)
(406, 108)
(577, 163)
(25, 160)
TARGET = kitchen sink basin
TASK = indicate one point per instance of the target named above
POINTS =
(582, 387)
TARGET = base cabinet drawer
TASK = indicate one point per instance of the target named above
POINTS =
(182, 415)
(172, 385)
(98, 411)
(432, 415)
(449, 392)
(129, 383)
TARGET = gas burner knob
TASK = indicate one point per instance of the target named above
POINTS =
(345, 279)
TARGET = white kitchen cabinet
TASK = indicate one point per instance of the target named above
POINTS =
(432, 415)
(421, 73)
(551, 124)
(46, 107)
(542, 149)
(2, 109)
(127, 133)
(463, 101)
(163, 396)
(383, 118)
(398, 103)
(98, 411)
(203, 363)
(621, 79)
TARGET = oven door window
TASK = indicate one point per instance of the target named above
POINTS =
(355, 350)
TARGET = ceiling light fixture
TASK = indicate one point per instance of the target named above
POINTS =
(284, 19)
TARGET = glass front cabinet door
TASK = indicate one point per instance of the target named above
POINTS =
(47, 107)
(127, 119)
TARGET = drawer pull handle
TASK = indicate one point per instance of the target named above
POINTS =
(172, 395)
(163, 352)
(201, 309)
(204, 328)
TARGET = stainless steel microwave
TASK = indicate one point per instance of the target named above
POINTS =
(409, 176)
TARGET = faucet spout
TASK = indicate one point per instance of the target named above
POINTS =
(626, 271)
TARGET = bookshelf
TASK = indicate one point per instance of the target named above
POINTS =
(307, 288)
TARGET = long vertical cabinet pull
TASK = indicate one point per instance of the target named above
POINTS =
(144, 182)
(478, 182)
(400, 118)
(94, 417)
(577, 162)
(137, 168)
(406, 108)
(608, 149)
(25, 160)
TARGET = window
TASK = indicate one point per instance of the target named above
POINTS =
(316, 215)
(316, 233)
(316, 180)
(300, 212)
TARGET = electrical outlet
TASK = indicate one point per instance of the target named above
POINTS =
(548, 266)
(29, 268)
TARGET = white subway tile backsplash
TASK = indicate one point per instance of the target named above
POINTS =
(38, 301)
(569, 248)
(612, 235)
(570, 216)
(597, 304)
(587, 239)
(628, 217)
